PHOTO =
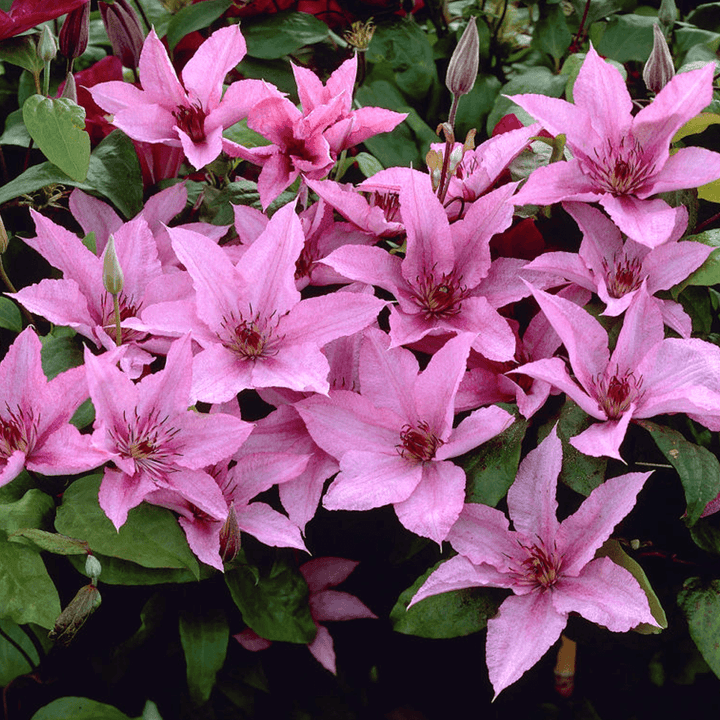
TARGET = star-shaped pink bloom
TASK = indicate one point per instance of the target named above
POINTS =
(646, 375)
(35, 429)
(615, 271)
(621, 160)
(394, 440)
(155, 442)
(547, 564)
(191, 113)
(321, 575)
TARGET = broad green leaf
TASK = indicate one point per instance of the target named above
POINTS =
(124, 572)
(194, 17)
(700, 603)
(27, 594)
(273, 36)
(475, 107)
(78, 708)
(114, 172)
(157, 15)
(15, 132)
(551, 34)
(448, 615)
(627, 37)
(12, 661)
(580, 472)
(151, 537)
(58, 129)
(52, 542)
(492, 467)
(274, 605)
(21, 51)
(696, 125)
(688, 37)
(241, 134)
(597, 9)
(698, 468)
(59, 354)
(709, 272)
(613, 550)
(204, 636)
(707, 16)
(706, 533)
(33, 510)
(241, 192)
(368, 164)
(10, 317)
(35, 178)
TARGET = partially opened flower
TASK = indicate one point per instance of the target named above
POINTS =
(549, 565)
(621, 160)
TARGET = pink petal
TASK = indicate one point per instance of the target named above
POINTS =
(326, 572)
(604, 438)
(322, 649)
(250, 640)
(157, 75)
(337, 605)
(269, 526)
(648, 222)
(474, 430)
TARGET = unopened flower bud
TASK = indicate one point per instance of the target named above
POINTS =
(70, 89)
(75, 615)
(93, 568)
(667, 14)
(123, 29)
(113, 278)
(4, 241)
(456, 155)
(659, 68)
(47, 47)
(230, 537)
(463, 68)
(74, 32)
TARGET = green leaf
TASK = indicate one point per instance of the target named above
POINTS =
(368, 164)
(627, 37)
(448, 615)
(241, 134)
(15, 132)
(33, 510)
(52, 542)
(204, 635)
(700, 603)
(34, 179)
(551, 34)
(21, 51)
(12, 661)
(114, 172)
(78, 708)
(239, 192)
(275, 605)
(27, 594)
(195, 17)
(124, 572)
(709, 272)
(698, 468)
(10, 317)
(491, 468)
(59, 353)
(475, 107)
(273, 36)
(151, 537)
(58, 129)
(597, 9)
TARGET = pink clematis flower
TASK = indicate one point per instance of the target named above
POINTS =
(621, 160)
(646, 375)
(35, 429)
(615, 271)
(547, 564)
(155, 442)
(395, 440)
(190, 114)
(321, 575)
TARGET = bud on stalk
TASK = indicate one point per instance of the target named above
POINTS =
(463, 68)
(75, 31)
(659, 69)
(114, 281)
(123, 29)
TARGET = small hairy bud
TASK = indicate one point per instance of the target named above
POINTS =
(463, 68)
(113, 278)
(667, 14)
(47, 47)
(75, 615)
(70, 89)
(659, 68)
(123, 29)
(93, 568)
(75, 31)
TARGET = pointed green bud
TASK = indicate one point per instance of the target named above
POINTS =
(70, 89)
(667, 14)
(93, 568)
(47, 47)
(75, 32)
(659, 69)
(113, 277)
(463, 68)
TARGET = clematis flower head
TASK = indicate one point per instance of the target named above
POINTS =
(621, 160)
(190, 114)
(548, 565)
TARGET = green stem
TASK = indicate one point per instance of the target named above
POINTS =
(5, 278)
(118, 329)
(46, 80)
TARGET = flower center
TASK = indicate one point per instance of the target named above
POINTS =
(148, 443)
(388, 202)
(620, 169)
(18, 431)
(191, 120)
(541, 568)
(250, 339)
(616, 393)
(128, 309)
(624, 277)
(440, 297)
(418, 443)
